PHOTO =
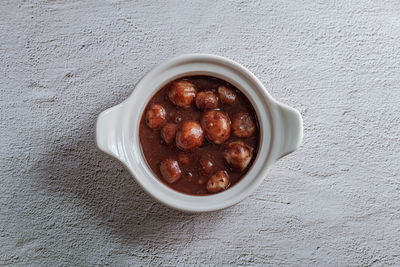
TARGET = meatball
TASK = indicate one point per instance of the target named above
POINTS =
(238, 155)
(155, 116)
(189, 136)
(216, 125)
(183, 158)
(168, 132)
(182, 93)
(243, 125)
(206, 100)
(170, 170)
(206, 165)
(218, 182)
(226, 95)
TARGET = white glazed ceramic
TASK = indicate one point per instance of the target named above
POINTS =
(117, 130)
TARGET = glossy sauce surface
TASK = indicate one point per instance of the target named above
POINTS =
(194, 178)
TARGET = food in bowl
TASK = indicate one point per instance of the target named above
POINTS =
(279, 129)
(199, 135)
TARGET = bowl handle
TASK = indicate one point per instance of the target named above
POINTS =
(108, 131)
(290, 130)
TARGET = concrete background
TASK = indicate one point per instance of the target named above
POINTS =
(334, 202)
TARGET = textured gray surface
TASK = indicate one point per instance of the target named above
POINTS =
(334, 202)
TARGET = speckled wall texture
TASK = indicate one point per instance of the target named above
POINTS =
(334, 202)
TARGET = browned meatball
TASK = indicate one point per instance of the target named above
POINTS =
(243, 125)
(182, 93)
(238, 155)
(189, 136)
(155, 116)
(170, 170)
(168, 132)
(226, 95)
(218, 182)
(206, 165)
(183, 158)
(206, 100)
(216, 125)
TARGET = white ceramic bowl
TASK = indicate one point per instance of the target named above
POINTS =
(117, 130)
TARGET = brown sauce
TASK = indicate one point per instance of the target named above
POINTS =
(193, 178)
